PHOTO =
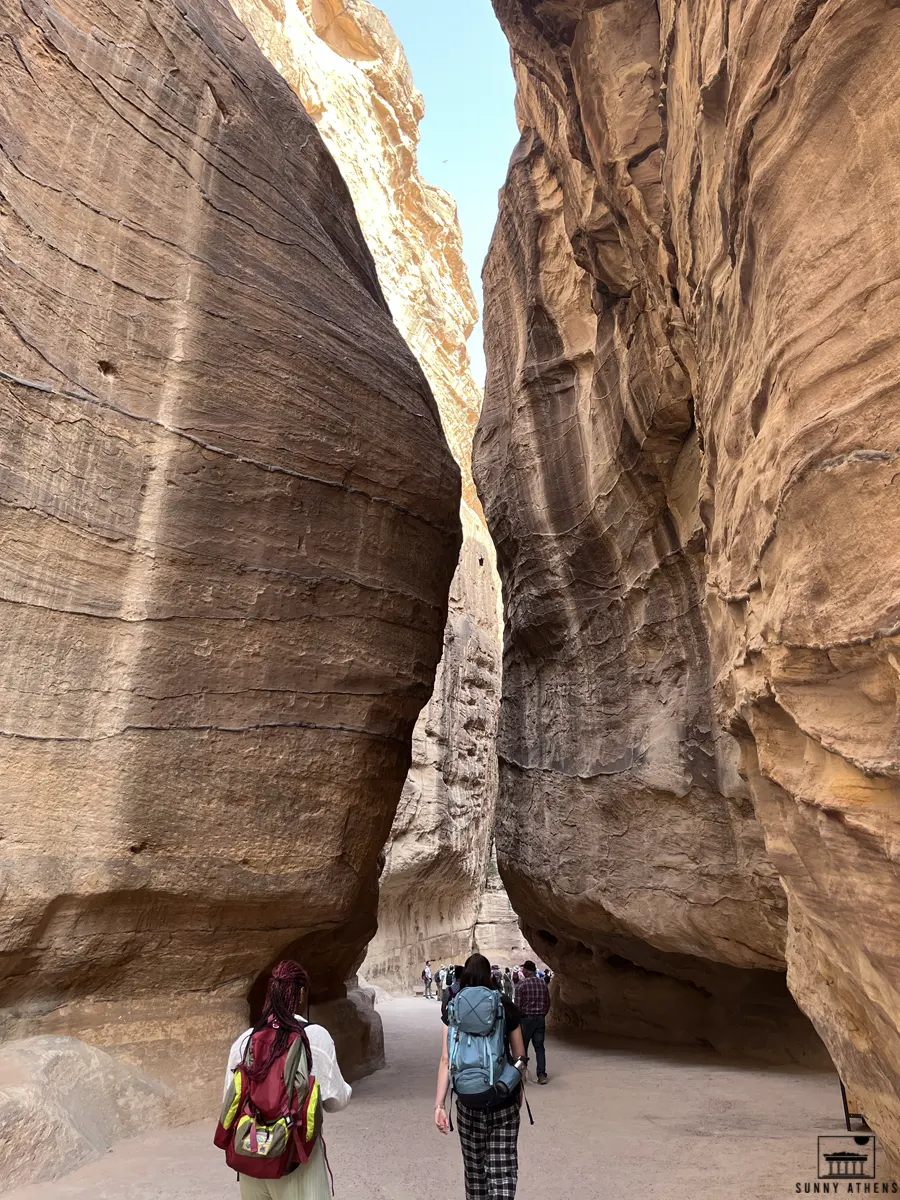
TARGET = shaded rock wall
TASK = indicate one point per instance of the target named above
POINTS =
(229, 519)
(345, 63)
(685, 458)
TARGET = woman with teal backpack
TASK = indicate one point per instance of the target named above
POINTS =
(483, 1062)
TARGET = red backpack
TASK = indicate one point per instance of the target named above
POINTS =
(268, 1125)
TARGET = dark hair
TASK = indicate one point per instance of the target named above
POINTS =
(457, 972)
(477, 972)
(286, 984)
(529, 965)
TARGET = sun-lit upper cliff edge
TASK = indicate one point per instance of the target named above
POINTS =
(346, 64)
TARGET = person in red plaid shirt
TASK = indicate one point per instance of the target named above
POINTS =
(533, 1002)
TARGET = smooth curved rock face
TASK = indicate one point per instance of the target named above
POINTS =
(357, 1029)
(685, 456)
(229, 519)
(345, 63)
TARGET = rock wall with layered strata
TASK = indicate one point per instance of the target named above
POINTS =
(497, 932)
(436, 861)
(686, 460)
(230, 521)
(345, 63)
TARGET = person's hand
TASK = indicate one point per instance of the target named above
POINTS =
(441, 1119)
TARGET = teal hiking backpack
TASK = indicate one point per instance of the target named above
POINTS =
(476, 1045)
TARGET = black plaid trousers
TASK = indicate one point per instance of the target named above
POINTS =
(488, 1139)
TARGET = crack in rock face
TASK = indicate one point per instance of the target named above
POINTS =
(687, 461)
(230, 521)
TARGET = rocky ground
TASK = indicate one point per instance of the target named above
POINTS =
(641, 1121)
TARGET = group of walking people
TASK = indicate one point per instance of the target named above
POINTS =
(435, 983)
(282, 1074)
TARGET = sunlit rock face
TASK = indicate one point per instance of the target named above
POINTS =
(497, 932)
(686, 460)
(229, 519)
(345, 63)
(436, 860)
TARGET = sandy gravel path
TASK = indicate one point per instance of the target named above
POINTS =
(613, 1123)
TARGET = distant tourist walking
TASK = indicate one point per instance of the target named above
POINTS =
(428, 979)
(507, 984)
(533, 1001)
(281, 1074)
(483, 1061)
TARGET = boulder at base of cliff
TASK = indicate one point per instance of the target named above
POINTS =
(64, 1103)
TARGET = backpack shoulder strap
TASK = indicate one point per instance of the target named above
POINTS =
(247, 1056)
(499, 1008)
(299, 1055)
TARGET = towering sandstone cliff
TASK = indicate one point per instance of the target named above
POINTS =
(688, 462)
(345, 63)
(229, 520)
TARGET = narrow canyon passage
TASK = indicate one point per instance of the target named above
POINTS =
(321, 647)
(614, 1122)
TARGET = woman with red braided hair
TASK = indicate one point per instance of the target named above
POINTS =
(286, 998)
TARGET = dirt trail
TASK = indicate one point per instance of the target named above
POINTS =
(613, 1123)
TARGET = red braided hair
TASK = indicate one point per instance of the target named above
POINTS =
(287, 982)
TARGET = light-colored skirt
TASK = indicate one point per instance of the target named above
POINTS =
(309, 1182)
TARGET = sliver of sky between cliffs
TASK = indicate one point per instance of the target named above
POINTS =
(460, 62)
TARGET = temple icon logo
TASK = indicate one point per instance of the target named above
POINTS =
(851, 1156)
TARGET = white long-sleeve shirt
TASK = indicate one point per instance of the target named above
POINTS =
(334, 1090)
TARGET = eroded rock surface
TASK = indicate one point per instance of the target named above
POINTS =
(685, 458)
(436, 861)
(64, 1103)
(345, 63)
(229, 519)
(497, 932)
